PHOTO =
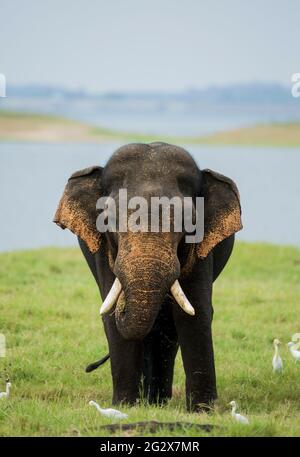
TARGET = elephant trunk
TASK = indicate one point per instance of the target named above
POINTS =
(146, 268)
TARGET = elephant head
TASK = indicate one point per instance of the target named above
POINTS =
(148, 265)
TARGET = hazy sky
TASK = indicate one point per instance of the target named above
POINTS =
(104, 45)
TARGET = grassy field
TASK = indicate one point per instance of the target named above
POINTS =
(277, 134)
(51, 129)
(49, 314)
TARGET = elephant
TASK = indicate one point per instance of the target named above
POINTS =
(143, 276)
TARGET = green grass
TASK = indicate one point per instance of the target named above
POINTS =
(49, 314)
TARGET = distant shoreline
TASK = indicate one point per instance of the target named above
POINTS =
(15, 126)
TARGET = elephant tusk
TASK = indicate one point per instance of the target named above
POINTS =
(112, 297)
(181, 299)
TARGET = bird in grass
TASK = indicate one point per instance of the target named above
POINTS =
(295, 353)
(238, 417)
(7, 389)
(277, 361)
(111, 413)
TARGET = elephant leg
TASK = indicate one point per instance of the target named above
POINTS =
(126, 359)
(195, 338)
(160, 349)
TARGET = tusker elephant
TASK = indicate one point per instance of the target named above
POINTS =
(156, 287)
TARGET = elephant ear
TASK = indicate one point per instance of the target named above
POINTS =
(77, 207)
(222, 210)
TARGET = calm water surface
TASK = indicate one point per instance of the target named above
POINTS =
(34, 175)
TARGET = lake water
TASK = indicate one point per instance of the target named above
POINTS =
(34, 175)
(159, 116)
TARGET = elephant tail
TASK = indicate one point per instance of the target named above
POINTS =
(94, 365)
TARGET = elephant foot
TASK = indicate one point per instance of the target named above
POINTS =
(128, 399)
(159, 400)
(198, 405)
(202, 408)
(126, 402)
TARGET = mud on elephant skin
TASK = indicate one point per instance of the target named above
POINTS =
(137, 272)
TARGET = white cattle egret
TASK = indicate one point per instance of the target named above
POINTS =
(7, 389)
(238, 417)
(111, 413)
(277, 361)
(295, 353)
